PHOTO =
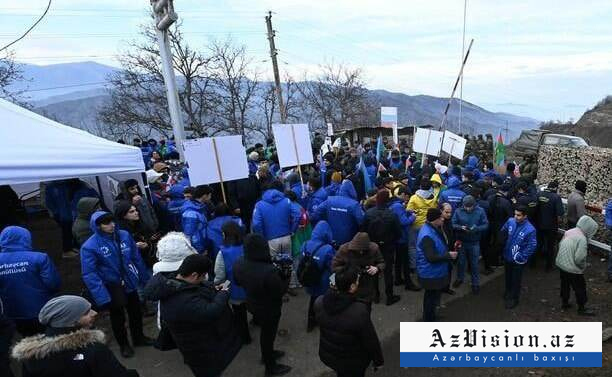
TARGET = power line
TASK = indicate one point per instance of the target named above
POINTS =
(84, 36)
(66, 86)
(30, 29)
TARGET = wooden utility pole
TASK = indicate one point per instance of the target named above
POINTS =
(273, 53)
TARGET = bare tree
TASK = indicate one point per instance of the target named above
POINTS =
(268, 105)
(236, 85)
(138, 104)
(10, 73)
(338, 95)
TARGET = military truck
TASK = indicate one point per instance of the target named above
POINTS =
(528, 144)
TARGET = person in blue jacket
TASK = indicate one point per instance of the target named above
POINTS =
(295, 185)
(521, 243)
(406, 219)
(28, 279)
(230, 252)
(472, 165)
(317, 194)
(275, 218)
(215, 226)
(453, 194)
(112, 271)
(342, 212)
(194, 220)
(395, 161)
(609, 226)
(432, 259)
(320, 249)
(469, 224)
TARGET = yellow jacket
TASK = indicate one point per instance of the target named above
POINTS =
(419, 206)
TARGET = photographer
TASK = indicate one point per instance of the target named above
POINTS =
(265, 286)
(198, 316)
(366, 257)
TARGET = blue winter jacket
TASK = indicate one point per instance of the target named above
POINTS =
(298, 189)
(426, 269)
(319, 244)
(521, 242)
(453, 194)
(472, 166)
(100, 264)
(342, 212)
(231, 254)
(406, 218)
(28, 279)
(476, 221)
(215, 235)
(332, 189)
(58, 202)
(195, 224)
(609, 214)
(316, 199)
(274, 216)
(395, 164)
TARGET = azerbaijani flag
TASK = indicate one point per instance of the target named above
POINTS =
(500, 151)
(379, 148)
(367, 183)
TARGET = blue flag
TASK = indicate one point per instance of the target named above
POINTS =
(367, 183)
(379, 148)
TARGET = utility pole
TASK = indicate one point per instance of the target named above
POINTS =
(273, 53)
(506, 132)
(164, 17)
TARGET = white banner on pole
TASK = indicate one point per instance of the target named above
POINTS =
(202, 160)
(330, 129)
(292, 146)
(427, 141)
(388, 119)
(454, 144)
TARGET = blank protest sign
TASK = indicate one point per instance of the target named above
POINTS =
(286, 148)
(200, 155)
(454, 144)
(427, 141)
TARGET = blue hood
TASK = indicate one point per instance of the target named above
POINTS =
(472, 162)
(347, 189)
(322, 233)
(92, 222)
(192, 204)
(453, 182)
(273, 196)
(15, 238)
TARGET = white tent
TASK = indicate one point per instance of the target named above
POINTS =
(37, 149)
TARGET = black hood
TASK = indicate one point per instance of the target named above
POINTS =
(162, 286)
(335, 303)
(256, 248)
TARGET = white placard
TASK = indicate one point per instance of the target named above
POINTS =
(454, 144)
(427, 141)
(200, 155)
(330, 129)
(290, 152)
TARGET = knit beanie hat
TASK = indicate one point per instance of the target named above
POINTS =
(433, 214)
(63, 311)
(254, 156)
(171, 250)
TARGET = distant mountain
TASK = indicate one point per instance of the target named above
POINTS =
(77, 103)
(65, 77)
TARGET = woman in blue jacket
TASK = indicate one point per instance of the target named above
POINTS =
(112, 270)
(231, 250)
(323, 253)
(215, 228)
(28, 279)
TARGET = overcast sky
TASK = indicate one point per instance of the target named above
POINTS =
(545, 59)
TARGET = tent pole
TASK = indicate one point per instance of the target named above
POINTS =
(143, 175)
(104, 207)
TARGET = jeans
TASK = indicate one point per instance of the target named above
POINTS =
(547, 240)
(242, 322)
(513, 274)
(294, 282)
(280, 245)
(117, 317)
(577, 283)
(412, 238)
(610, 255)
(471, 252)
(431, 299)
(389, 257)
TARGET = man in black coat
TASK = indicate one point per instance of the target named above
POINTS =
(243, 194)
(265, 287)
(348, 341)
(385, 230)
(550, 212)
(197, 315)
(500, 210)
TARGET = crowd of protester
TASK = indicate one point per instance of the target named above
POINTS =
(360, 221)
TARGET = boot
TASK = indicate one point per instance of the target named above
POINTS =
(278, 370)
(392, 299)
(586, 312)
(126, 351)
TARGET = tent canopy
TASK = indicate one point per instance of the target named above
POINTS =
(37, 149)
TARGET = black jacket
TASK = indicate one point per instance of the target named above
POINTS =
(550, 208)
(199, 319)
(80, 353)
(383, 227)
(348, 340)
(262, 282)
(500, 210)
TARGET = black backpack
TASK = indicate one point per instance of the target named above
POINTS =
(308, 271)
(376, 229)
